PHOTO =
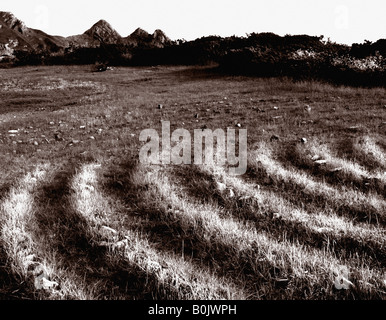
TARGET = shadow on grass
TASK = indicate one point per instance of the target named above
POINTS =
(297, 195)
(166, 231)
(201, 186)
(12, 286)
(78, 250)
(327, 174)
(346, 148)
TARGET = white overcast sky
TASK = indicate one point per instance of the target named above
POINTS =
(343, 21)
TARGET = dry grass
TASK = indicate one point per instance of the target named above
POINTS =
(80, 218)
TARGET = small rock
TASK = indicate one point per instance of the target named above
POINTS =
(58, 137)
(303, 140)
(275, 108)
(238, 125)
(274, 138)
(92, 138)
(82, 127)
(45, 283)
(75, 141)
(315, 157)
(231, 194)
(160, 106)
(36, 143)
(320, 161)
(196, 115)
(52, 123)
(307, 108)
(108, 229)
(221, 186)
(13, 131)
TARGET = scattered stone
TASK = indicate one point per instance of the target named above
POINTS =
(231, 194)
(108, 229)
(303, 140)
(221, 186)
(58, 137)
(320, 162)
(82, 127)
(276, 108)
(336, 169)
(92, 138)
(160, 106)
(52, 123)
(307, 108)
(238, 125)
(36, 143)
(75, 142)
(277, 117)
(13, 131)
(19, 141)
(274, 137)
(276, 215)
(196, 115)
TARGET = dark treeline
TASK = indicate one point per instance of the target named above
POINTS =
(258, 54)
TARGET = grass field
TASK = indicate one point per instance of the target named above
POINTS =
(82, 218)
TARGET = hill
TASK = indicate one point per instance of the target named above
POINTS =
(18, 42)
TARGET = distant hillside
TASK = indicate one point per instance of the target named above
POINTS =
(258, 54)
(17, 41)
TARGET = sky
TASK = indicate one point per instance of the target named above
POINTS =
(343, 21)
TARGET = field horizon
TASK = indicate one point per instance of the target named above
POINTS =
(81, 218)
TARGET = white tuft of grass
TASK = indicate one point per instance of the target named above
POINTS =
(342, 195)
(20, 236)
